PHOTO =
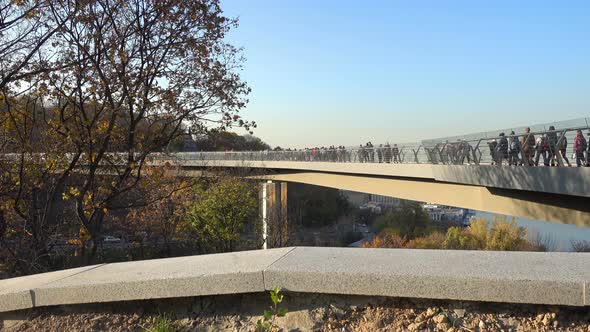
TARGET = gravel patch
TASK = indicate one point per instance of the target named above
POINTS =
(307, 312)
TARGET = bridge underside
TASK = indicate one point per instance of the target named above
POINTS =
(533, 205)
(519, 203)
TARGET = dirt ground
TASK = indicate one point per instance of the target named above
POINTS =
(307, 312)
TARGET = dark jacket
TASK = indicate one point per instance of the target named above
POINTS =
(503, 145)
(528, 141)
(561, 143)
(552, 140)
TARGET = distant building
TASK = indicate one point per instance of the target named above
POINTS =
(359, 199)
(373, 207)
(433, 211)
(378, 204)
(384, 200)
(356, 198)
(446, 213)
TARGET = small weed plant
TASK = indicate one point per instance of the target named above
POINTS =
(163, 324)
(267, 322)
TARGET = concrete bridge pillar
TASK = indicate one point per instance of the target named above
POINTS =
(274, 214)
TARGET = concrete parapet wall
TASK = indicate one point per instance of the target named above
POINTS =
(514, 277)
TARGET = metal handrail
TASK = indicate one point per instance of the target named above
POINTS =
(460, 152)
(457, 153)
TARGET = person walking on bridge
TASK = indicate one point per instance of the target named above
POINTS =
(361, 154)
(513, 150)
(466, 151)
(502, 149)
(387, 153)
(395, 152)
(492, 145)
(371, 151)
(562, 147)
(528, 146)
(580, 146)
(541, 147)
(552, 142)
(380, 153)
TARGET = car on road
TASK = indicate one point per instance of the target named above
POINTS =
(111, 239)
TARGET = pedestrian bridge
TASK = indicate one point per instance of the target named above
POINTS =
(557, 194)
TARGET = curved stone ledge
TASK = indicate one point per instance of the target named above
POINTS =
(514, 277)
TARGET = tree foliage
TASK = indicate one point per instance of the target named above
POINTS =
(501, 234)
(409, 221)
(386, 239)
(457, 239)
(221, 211)
(166, 199)
(216, 140)
(365, 216)
(83, 79)
(433, 240)
(26, 32)
(315, 206)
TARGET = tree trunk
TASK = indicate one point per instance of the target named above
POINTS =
(92, 254)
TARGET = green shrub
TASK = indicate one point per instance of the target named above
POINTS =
(502, 235)
(163, 324)
(410, 221)
(386, 240)
(432, 241)
(220, 213)
(267, 322)
(479, 232)
(505, 235)
(458, 238)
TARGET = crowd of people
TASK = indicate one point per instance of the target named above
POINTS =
(368, 153)
(526, 148)
(451, 153)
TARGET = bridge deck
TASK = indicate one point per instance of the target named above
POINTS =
(556, 194)
(514, 277)
(555, 180)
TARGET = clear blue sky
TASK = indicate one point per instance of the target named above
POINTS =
(345, 72)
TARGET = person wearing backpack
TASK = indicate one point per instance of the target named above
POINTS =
(513, 150)
(580, 146)
(541, 147)
(492, 145)
(562, 147)
(502, 149)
